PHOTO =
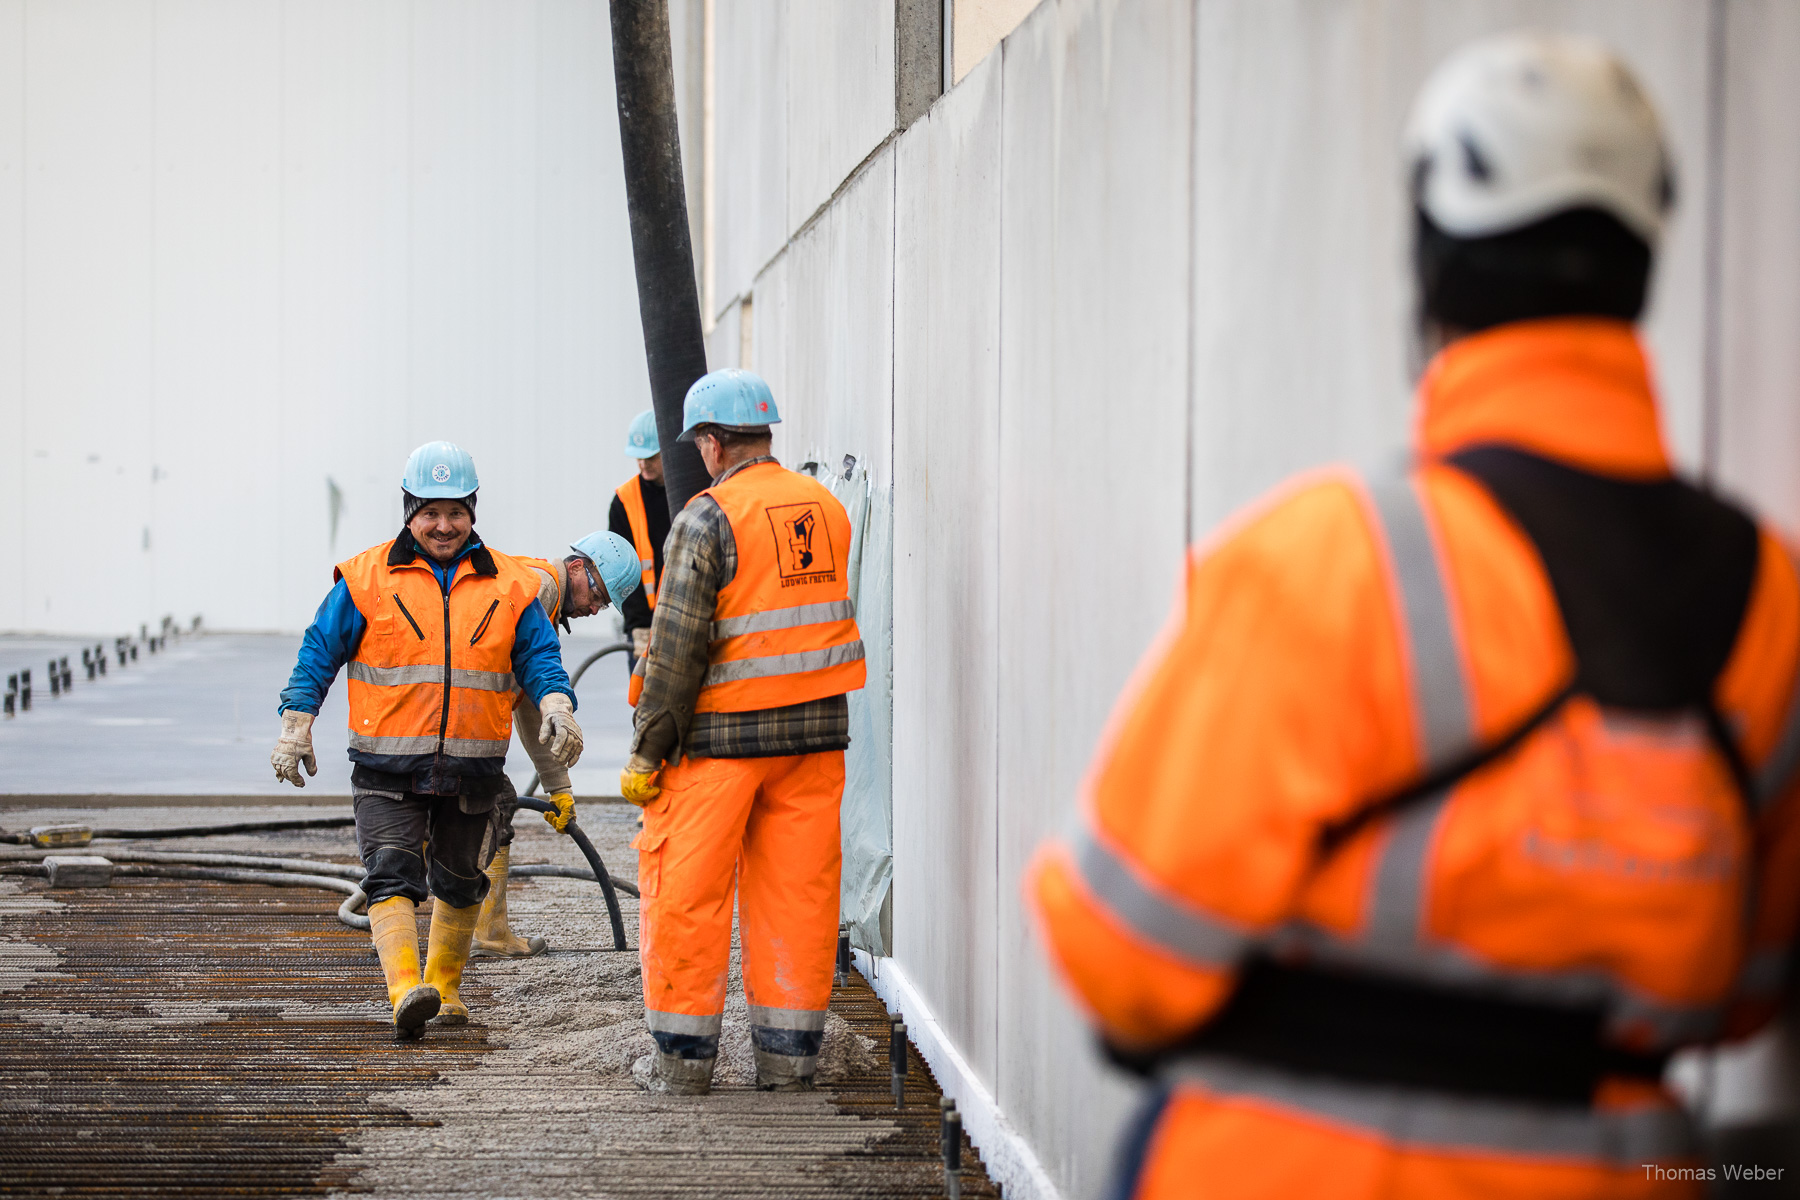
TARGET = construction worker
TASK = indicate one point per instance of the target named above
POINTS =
(1452, 801)
(601, 570)
(737, 753)
(640, 515)
(435, 628)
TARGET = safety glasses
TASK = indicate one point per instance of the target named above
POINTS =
(594, 584)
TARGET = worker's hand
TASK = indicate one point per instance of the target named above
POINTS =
(637, 782)
(294, 748)
(559, 731)
(565, 811)
(640, 642)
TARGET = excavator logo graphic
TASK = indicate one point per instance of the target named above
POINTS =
(802, 544)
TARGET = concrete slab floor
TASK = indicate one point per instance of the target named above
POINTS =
(199, 719)
(534, 1098)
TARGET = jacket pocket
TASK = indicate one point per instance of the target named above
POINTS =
(650, 855)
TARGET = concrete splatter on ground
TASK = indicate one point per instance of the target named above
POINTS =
(553, 1109)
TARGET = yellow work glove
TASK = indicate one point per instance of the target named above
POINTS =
(294, 748)
(565, 811)
(637, 782)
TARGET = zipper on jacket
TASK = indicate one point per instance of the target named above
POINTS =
(444, 716)
(408, 616)
(482, 628)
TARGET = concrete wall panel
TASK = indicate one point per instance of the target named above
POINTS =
(751, 115)
(838, 397)
(946, 596)
(840, 94)
(89, 279)
(1760, 384)
(1093, 413)
(15, 452)
(1302, 310)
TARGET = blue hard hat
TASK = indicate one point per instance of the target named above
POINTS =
(641, 441)
(619, 568)
(440, 471)
(728, 397)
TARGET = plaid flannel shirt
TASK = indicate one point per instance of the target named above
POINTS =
(699, 559)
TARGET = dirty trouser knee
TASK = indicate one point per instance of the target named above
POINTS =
(418, 846)
(769, 826)
(506, 807)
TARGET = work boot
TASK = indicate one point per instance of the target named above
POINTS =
(452, 930)
(393, 923)
(673, 1075)
(494, 938)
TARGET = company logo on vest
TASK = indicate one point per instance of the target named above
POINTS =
(803, 552)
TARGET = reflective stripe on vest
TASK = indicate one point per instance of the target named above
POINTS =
(1428, 1120)
(784, 629)
(433, 672)
(481, 681)
(549, 586)
(631, 495)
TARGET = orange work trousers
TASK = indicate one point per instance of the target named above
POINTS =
(766, 829)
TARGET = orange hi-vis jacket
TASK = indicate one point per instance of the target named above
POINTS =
(433, 672)
(550, 578)
(1373, 760)
(784, 629)
(631, 495)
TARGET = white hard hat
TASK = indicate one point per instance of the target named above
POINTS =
(1518, 127)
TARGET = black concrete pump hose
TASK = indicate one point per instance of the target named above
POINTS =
(593, 856)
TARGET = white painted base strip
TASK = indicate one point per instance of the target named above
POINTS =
(1010, 1160)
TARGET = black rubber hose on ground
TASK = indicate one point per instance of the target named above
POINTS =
(661, 246)
(239, 827)
(600, 873)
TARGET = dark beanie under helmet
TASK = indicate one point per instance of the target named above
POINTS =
(1583, 262)
(411, 504)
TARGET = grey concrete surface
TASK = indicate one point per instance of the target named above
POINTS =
(199, 719)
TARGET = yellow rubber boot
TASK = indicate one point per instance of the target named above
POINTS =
(494, 938)
(452, 930)
(393, 923)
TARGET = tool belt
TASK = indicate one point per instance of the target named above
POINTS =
(1365, 1028)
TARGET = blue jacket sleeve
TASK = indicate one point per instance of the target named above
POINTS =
(537, 656)
(330, 642)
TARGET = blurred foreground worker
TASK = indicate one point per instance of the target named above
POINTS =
(601, 569)
(640, 515)
(435, 627)
(1452, 801)
(755, 646)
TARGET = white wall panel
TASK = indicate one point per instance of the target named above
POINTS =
(1302, 308)
(946, 597)
(840, 94)
(272, 247)
(89, 278)
(1760, 384)
(216, 352)
(751, 79)
(1093, 415)
(15, 452)
(839, 319)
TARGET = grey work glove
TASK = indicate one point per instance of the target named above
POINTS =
(560, 730)
(640, 642)
(551, 774)
(294, 748)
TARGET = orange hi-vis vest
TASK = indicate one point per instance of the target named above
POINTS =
(631, 495)
(433, 673)
(1369, 760)
(784, 629)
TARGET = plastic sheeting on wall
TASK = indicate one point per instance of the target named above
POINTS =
(868, 811)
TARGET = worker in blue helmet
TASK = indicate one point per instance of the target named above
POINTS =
(436, 629)
(599, 571)
(640, 515)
